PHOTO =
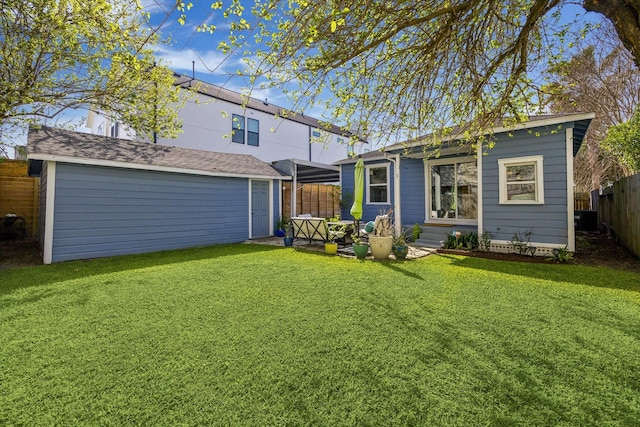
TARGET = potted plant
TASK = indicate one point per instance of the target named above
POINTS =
(281, 226)
(334, 231)
(288, 236)
(381, 242)
(359, 249)
(400, 248)
(415, 232)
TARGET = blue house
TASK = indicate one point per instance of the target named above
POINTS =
(102, 196)
(523, 183)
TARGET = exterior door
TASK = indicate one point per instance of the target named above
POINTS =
(259, 209)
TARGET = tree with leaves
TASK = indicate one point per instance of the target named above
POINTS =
(623, 141)
(398, 69)
(600, 78)
(57, 55)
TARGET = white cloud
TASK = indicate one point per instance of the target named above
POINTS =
(209, 62)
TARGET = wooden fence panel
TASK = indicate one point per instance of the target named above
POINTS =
(19, 194)
(619, 210)
(582, 202)
(319, 200)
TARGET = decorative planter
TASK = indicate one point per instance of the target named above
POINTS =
(381, 246)
(288, 241)
(361, 250)
(400, 251)
(279, 232)
(331, 248)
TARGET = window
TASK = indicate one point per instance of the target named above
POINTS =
(237, 131)
(351, 152)
(378, 184)
(521, 180)
(114, 133)
(253, 132)
(453, 189)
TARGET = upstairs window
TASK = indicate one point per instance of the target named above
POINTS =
(115, 130)
(253, 132)
(237, 129)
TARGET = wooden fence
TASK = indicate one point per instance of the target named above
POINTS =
(582, 202)
(319, 200)
(19, 194)
(619, 211)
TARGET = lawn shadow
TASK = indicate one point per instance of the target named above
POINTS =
(396, 266)
(599, 277)
(23, 277)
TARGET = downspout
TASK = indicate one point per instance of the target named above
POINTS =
(310, 134)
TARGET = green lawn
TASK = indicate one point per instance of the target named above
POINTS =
(259, 335)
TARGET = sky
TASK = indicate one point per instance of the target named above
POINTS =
(186, 48)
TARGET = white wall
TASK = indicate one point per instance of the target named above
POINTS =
(207, 125)
(99, 124)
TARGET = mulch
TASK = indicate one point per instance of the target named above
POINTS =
(593, 249)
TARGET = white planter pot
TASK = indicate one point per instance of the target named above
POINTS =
(381, 246)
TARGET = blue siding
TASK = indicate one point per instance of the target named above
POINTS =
(412, 191)
(346, 187)
(548, 222)
(102, 211)
(369, 211)
(277, 201)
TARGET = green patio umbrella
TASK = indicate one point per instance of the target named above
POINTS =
(358, 191)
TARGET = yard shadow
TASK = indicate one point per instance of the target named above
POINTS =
(24, 277)
(396, 266)
(599, 277)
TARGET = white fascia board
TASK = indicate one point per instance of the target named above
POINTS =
(571, 229)
(137, 166)
(552, 121)
(49, 223)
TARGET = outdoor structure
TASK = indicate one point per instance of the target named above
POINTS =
(220, 120)
(102, 196)
(523, 184)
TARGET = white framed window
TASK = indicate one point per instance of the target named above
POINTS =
(521, 180)
(253, 132)
(377, 183)
(237, 129)
(452, 185)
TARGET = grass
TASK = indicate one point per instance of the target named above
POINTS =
(255, 335)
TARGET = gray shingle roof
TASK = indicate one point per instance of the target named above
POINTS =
(44, 142)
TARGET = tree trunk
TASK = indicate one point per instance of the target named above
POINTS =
(625, 16)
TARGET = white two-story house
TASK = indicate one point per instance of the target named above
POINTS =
(218, 119)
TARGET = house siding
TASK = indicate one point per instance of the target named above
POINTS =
(547, 222)
(412, 190)
(207, 125)
(103, 211)
(369, 211)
